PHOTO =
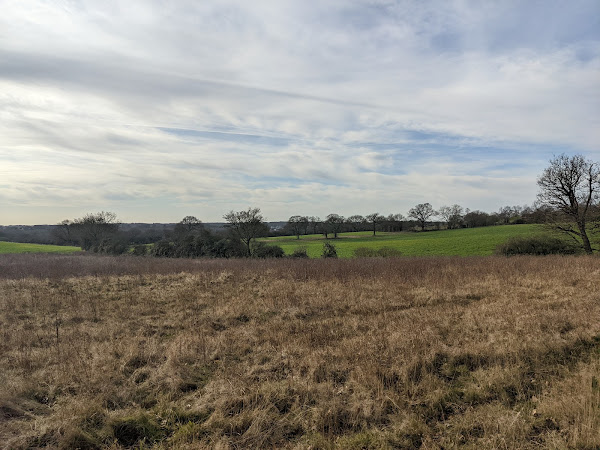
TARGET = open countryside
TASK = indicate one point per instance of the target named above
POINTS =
(338, 225)
(17, 247)
(460, 242)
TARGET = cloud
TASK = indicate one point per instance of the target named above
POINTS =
(158, 109)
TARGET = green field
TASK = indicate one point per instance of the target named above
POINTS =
(17, 247)
(461, 242)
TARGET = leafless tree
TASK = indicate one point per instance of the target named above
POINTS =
(246, 226)
(571, 187)
(452, 215)
(313, 224)
(374, 219)
(356, 222)
(296, 224)
(62, 233)
(93, 229)
(422, 213)
(334, 224)
(393, 222)
(188, 226)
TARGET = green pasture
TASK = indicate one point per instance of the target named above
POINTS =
(461, 242)
(17, 247)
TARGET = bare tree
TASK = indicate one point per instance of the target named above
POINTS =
(452, 215)
(571, 187)
(62, 233)
(356, 222)
(188, 226)
(296, 224)
(304, 222)
(93, 229)
(374, 219)
(334, 224)
(422, 213)
(246, 226)
(393, 222)
(313, 224)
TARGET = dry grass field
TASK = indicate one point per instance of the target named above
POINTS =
(481, 352)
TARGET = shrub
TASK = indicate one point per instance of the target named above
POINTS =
(536, 245)
(267, 251)
(227, 248)
(139, 250)
(329, 250)
(300, 252)
(112, 246)
(188, 247)
(383, 252)
(163, 248)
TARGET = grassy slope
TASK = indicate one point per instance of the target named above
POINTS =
(463, 242)
(482, 352)
(17, 247)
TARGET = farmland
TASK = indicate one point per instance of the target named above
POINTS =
(17, 247)
(462, 242)
(480, 352)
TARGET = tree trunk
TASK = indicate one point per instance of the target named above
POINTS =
(584, 237)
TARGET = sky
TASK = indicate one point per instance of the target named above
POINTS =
(156, 110)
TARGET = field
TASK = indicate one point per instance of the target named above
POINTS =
(462, 242)
(17, 247)
(447, 352)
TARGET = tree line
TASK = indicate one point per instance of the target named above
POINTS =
(421, 217)
(568, 201)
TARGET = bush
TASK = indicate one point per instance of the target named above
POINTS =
(536, 245)
(383, 252)
(139, 250)
(163, 248)
(111, 246)
(299, 252)
(188, 247)
(267, 251)
(329, 250)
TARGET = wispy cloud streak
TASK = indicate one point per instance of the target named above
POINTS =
(159, 110)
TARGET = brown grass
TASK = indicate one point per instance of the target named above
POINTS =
(101, 352)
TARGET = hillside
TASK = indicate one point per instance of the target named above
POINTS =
(17, 247)
(462, 242)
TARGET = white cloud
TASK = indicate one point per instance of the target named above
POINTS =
(352, 105)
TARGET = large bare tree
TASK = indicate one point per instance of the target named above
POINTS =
(246, 225)
(188, 226)
(452, 215)
(356, 222)
(297, 224)
(422, 213)
(62, 233)
(334, 224)
(93, 229)
(374, 219)
(571, 187)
